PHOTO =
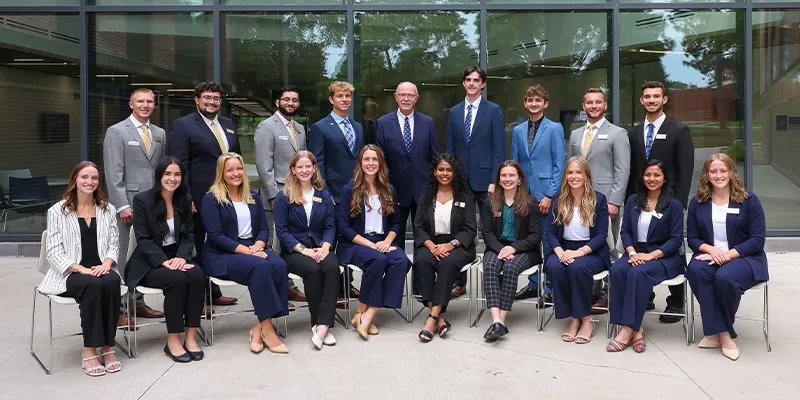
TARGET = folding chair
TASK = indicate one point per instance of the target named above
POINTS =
(337, 317)
(764, 318)
(596, 277)
(349, 269)
(688, 325)
(480, 297)
(466, 268)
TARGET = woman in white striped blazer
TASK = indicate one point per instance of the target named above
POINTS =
(82, 250)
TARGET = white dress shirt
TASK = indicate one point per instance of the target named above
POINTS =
(138, 126)
(308, 198)
(656, 126)
(719, 214)
(575, 230)
(597, 126)
(373, 220)
(221, 131)
(643, 226)
(243, 219)
(170, 238)
(402, 119)
(441, 217)
(474, 111)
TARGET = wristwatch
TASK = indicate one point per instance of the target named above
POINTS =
(454, 243)
(631, 253)
(299, 248)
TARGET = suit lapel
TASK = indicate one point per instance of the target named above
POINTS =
(653, 222)
(602, 131)
(176, 223)
(254, 225)
(662, 130)
(399, 133)
(478, 116)
(638, 133)
(205, 129)
(283, 130)
(316, 207)
(337, 132)
(458, 109)
(705, 215)
(136, 135)
(730, 220)
(539, 133)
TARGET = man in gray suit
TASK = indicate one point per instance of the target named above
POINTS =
(277, 138)
(131, 150)
(608, 151)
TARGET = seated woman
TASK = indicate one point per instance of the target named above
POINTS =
(652, 233)
(162, 223)
(367, 218)
(511, 227)
(235, 249)
(444, 239)
(82, 250)
(725, 228)
(305, 223)
(577, 231)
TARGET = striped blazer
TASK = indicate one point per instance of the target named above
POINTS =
(64, 244)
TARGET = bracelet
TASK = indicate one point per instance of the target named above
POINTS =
(301, 248)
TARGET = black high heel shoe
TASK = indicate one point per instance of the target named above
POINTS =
(427, 336)
(194, 355)
(183, 358)
(444, 328)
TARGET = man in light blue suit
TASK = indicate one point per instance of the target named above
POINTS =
(538, 145)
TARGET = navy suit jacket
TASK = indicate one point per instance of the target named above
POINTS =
(349, 227)
(292, 225)
(195, 146)
(597, 233)
(222, 232)
(665, 233)
(336, 161)
(487, 148)
(408, 172)
(746, 229)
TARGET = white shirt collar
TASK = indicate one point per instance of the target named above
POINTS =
(657, 123)
(402, 117)
(597, 124)
(283, 119)
(137, 124)
(474, 103)
(208, 121)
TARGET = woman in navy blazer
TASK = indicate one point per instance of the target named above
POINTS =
(305, 223)
(652, 234)
(367, 218)
(577, 231)
(725, 228)
(235, 249)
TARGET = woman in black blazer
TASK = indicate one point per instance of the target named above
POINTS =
(511, 227)
(162, 223)
(305, 223)
(445, 228)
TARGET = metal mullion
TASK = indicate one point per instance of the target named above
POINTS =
(748, 97)
(132, 9)
(483, 45)
(616, 98)
(217, 45)
(417, 7)
(681, 6)
(40, 10)
(773, 6)
(84, 81)
(350, 45)
(549, 7)
(246, 8)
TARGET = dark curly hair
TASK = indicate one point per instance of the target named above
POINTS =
(459, 179)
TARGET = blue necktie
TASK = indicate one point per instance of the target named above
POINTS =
(648, 144)
(468, 124)
(407, 135)
(348, 135)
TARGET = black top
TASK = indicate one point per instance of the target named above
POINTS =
(89, 254)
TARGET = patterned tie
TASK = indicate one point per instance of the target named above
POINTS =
(349, 136)
(648, 144)
(468, 124)
(218, 135)
(148, 144)
(292, 133)
(587, 139)
(407, 135)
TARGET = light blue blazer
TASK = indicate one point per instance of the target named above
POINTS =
(543, 163)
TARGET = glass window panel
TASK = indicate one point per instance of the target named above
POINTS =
(283, 2)
(40, 3)
(776, 120)
(40, 86)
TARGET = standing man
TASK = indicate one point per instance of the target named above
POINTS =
(131, 150)
(476, 135)
(197, 140)
(277, 138)
(538, 145)
(408, 141)
(669, 141)
(335, 141)
(608, 152)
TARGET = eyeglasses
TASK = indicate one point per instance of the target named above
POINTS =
(213, 99)
(405, 95)
(289, 100)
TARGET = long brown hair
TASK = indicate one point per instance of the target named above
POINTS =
(704, 189)
(361, 188)
(565, 200)
(522, 199)
(71, 194)
(292, 189)
(220, 190)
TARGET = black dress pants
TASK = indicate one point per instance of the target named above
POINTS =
(436, 278)
(183, 295)
(321, 284)
(99, 301)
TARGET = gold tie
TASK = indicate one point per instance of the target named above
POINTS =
(292, 133)
(587, 140)
(148, 144)
(218, 135)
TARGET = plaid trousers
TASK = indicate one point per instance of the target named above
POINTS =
(500, 289)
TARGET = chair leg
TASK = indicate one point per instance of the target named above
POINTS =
(765, 324)
(210, 318)
(135, 348)
(47, 369)
(609, 331)
(686, 313)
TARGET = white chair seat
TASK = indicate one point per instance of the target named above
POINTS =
(148, 290)
(600, 275)
(530, 271)
(223, 282)
(61, 300)
(295, 277)
(678, 280)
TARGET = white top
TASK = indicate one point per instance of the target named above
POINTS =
(597, 126)
(402, 119)
(221, 130)
(170, 239)
(644, 225)
(373, 220)
(656, 126)
(243, 219)
(307, 204)
(575, 230)
(718, 216)
(474, 111)
(441, 217)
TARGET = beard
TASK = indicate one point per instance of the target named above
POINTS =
(287, 113)
(209, 115)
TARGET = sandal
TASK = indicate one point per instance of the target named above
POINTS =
(582, 339)
(615, 346)
(567, 337)
(444, 328)
(114, 366)
(639, 345)
(427, 336)
(98, 370)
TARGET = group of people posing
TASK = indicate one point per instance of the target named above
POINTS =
(334, 200)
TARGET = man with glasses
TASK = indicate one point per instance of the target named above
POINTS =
(197, 140)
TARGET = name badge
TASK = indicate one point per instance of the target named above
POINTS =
(316, 199)
(658, 215)
(157, 138)
(460, 204)
(733, 211)
(251, 201)
(283, 137)
(133, 143)
(661, 136)
(229, 131)
(602, 137)
(497, 214)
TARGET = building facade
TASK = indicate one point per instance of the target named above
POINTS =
(67, 68)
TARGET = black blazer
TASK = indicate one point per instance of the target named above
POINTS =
(149, 252)
(528, 229)
(675, 150)
(463, 223)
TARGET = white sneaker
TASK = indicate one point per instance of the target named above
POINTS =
(315, 339)
(329, 340)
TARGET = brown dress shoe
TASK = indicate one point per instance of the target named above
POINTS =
(125, 323)
(145, 311)
(458, 291)
(296, 295)
(602, 303)
(224, 301)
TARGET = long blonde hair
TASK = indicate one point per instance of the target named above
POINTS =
(361, 188)
(704, 189)
(293, 189)
(565, 200)
(220, 190)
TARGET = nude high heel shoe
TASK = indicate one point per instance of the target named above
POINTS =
(257, 347)
(280, 349)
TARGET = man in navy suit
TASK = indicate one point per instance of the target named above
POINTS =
(476, 135)
(197, 140)
(408, 141)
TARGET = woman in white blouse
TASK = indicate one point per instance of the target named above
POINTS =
(162, 224)
(444, 238)
(82, 250)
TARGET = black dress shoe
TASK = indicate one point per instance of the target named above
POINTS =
(183, 358)
(526, 293)
(671, 319)
(195, 355)
(495, 331)
(547, 298)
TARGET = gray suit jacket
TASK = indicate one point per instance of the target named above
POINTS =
(128, 167)
(273, 151)
(609, 158)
